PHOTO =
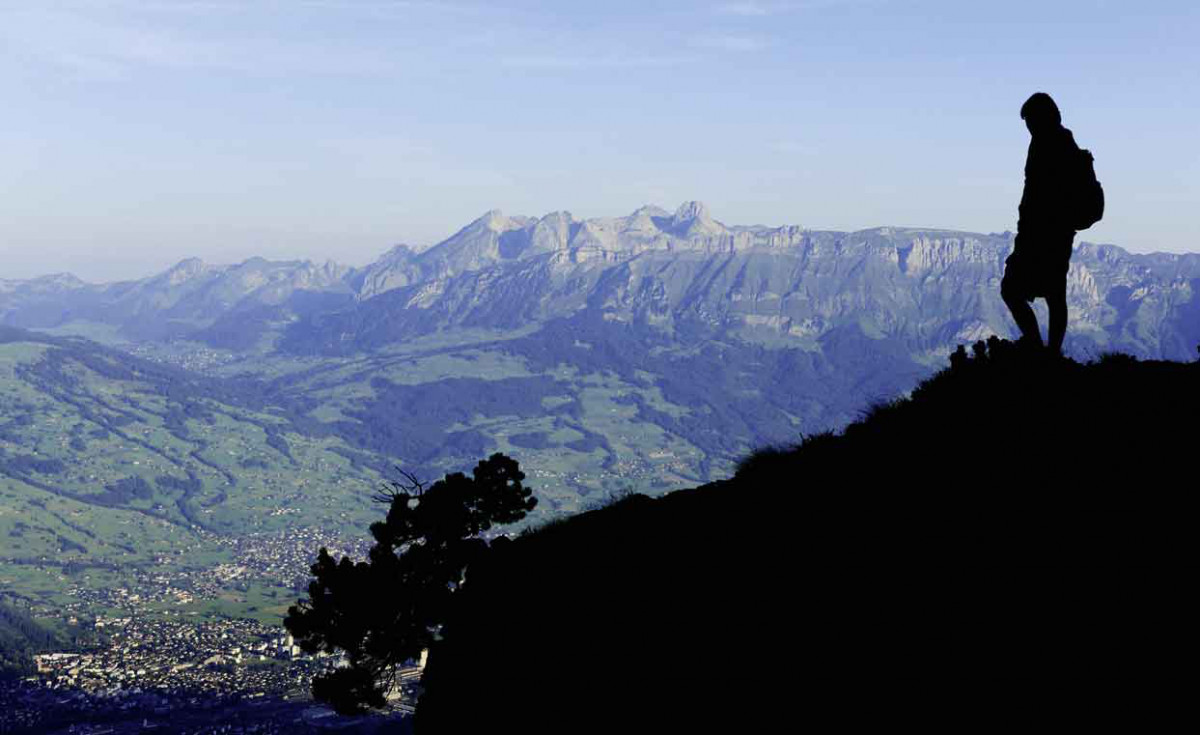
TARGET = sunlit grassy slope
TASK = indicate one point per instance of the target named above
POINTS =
(118, 466)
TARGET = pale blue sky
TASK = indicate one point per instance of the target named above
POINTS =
(134, 133)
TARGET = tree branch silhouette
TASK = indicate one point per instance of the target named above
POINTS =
(386, 610)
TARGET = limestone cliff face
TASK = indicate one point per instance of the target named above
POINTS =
(396, 269)
(927, 289)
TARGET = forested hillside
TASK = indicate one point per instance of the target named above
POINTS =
(20, 638)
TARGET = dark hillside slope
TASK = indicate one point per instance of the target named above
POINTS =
(20, 637)
(1015, 519)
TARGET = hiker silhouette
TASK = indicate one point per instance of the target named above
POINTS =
(1046, 224)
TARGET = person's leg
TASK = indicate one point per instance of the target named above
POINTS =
(1057, 302)
(1022, 312)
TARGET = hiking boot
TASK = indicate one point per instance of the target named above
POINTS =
(1029, 347)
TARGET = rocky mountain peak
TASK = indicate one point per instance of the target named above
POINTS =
(560, 216)
(185, 270)
(63, 280)
(692, 218)
(691, 211)
(650, 210)
(551, 233)
(493, 220)
(329, 271)
(907, 282)
(399, 253)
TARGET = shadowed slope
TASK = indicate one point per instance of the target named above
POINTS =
(1016, 519)
(20, 637)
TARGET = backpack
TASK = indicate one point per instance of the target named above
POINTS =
(1088, 205)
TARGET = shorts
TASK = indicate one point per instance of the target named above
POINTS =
(1038, 266)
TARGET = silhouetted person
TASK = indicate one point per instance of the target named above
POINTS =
(1045, 231)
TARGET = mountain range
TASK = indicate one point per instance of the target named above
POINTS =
(924, 290)
(644, 353)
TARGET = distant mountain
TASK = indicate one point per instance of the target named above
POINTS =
(650, 351)
(189, 300)
(925, 289)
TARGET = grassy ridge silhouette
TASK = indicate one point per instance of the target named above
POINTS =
(1016, 518)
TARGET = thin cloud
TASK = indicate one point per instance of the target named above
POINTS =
(727, 42)
(605, 61)
(749, 9)
(392, 8)
(758, 9)
(114, 39)
(795, 148)
(239, 6)
(76, 42)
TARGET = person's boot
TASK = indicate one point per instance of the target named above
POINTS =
(1030, 348)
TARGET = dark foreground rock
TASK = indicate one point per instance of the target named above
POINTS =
(1018, 520)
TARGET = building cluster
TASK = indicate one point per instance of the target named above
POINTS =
(284, 558)
(220, 656)
(189, 356)
(278, 559)
(31, 707)
(159, 660)
(226, 675)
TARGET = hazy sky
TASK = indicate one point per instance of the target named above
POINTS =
(134, 133)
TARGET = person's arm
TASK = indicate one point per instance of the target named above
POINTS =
(1027, 209)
